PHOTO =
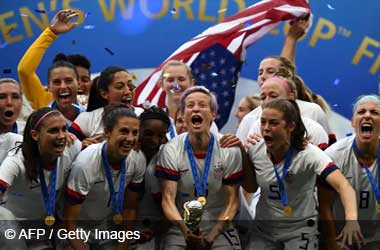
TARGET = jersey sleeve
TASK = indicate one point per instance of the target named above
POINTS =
(136, 184)
(233, 173)
(9, 170)
(321, 162)
(79, 182)
(80, 126)
(31, 85)
(167, 167)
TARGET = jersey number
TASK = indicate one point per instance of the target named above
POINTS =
(364, 199)
(275, 192)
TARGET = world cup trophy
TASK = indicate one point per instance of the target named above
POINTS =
(192, 215)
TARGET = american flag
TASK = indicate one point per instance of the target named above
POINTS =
(216, 55)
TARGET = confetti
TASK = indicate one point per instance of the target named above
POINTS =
(7, 71)
(349, 134)
(87, 14)
(166, 75)
(336, 82)
(109, 51)
(336, 105)
(134, 77)
(89, 27)
(22, 14)
(173, 11)
(176, 89)
(40, 11)
(247, 24)
(214, 74)
(233, 85)
(206, 66)
(222, 10)
(3, 45)
(330, 7)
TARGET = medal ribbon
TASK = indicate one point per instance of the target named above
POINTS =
(117, 199)
(280, 180)
(172, 130)
(14, 128)
(375, 188)
(49, 197)
(200, 186)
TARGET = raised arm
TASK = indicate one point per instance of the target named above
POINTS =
(296, 31)
(31, 84)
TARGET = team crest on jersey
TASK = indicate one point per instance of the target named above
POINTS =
(218, 170)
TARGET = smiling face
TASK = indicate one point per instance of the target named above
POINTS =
(63, 86)
(120, 89)
(152, 136)
(51, 136)
(276, 133)
(267, 68)
(84, 81)
(176, 74)
(10, 103)
(197, 114)
(122, 138)
(366, 121)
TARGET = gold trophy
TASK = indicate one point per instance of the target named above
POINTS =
(192, 214)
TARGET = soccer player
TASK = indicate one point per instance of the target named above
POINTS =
(194, 166)
(358, 157)
(154, 124)
(33, 174)
(106, 180)
(10, 107)
(34, 91)
(286, 167)
(114, 85)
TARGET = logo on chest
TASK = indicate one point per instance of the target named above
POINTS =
(218, 170)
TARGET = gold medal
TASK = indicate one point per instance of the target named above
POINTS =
(378, 208)
(49, 220)
(288, 211)
(117, 218)
(202, 200)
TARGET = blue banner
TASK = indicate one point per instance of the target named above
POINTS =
(339, 58)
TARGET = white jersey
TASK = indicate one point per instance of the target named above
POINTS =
(7, 142)
(308, 109)
(225, 169)
(318, 135)
(149, 209)
(88, 185)
(25, 198)
(299, 182)
(19, 126)
(343, 155)
(89, 124)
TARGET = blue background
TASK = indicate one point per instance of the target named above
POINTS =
(143, 42)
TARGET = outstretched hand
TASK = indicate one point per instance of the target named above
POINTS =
(229, 141)
(350, 234)
(298, 28)
(62, 21)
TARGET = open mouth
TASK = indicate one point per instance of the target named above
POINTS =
(366, 129)
(268, 139)
(126, 145)
(60, 145)
(64, 95)
(80, 91)
(196, 120)
(8, 113)
(127, 101)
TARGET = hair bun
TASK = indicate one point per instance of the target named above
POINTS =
(60, 57)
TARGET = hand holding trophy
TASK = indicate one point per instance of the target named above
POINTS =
(192, 216)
